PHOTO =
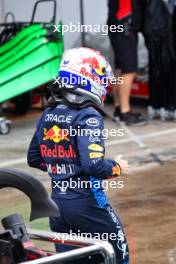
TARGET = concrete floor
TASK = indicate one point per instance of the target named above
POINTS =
(141, 198)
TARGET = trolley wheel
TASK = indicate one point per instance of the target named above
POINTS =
(5, 129)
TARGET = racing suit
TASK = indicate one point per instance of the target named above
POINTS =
(69, 145)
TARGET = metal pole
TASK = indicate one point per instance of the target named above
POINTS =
(88, 247)
(82, 21)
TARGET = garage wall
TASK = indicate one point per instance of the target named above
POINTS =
(67, 10)
(1, 10)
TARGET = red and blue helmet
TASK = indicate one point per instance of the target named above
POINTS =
(87, 71)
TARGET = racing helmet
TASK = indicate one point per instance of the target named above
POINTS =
(85, 74)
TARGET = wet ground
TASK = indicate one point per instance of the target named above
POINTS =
(147, 207)
(147, 203)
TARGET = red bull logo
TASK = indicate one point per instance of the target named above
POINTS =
(55, 134)
(93, 62)
(95, 65)
(90, 75)
(57, 152)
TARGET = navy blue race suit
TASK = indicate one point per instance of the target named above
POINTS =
(78, 156)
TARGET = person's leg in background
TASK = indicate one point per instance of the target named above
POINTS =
(124, 91)
(174, 25)
(125, 52)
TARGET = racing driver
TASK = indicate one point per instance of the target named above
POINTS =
(76, 95)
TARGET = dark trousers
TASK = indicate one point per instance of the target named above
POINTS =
(86, 216)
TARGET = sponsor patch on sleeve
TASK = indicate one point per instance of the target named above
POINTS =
(116, 170)
(95, 147)
(94, 155)
(92, 122)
